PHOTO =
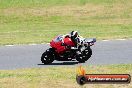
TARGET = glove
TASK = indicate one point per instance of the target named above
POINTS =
(68, 47)
(62, 44)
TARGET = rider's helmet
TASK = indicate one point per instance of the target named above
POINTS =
(74, 34)
(74, 37)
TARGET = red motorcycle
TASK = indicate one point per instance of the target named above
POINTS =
(66, 50)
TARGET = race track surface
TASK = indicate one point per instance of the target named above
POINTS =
(28, 56)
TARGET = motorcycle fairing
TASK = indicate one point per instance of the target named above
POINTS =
(57, 43)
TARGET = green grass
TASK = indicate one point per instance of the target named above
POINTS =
(47, 3)
(59, 77)
(38, 21)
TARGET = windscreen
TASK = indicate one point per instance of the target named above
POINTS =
(58, 38)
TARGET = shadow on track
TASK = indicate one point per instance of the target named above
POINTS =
(64, 63)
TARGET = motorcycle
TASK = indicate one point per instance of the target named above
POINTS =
(63, 49)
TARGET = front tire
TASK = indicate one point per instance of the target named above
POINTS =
(84, 56)
(88, 54)
(47, 57)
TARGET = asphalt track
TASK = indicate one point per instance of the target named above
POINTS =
(28, 56)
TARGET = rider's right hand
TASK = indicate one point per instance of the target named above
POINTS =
(62, 44)
(68, 47)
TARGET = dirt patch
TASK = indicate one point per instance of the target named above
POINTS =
(88, 10)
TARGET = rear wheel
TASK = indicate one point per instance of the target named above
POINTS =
(47, 57)
(84, 56)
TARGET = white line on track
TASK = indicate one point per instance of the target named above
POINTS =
(49, 43)
(121, 39)
(32, 44)
(9, 45)
(114, 39)
(105, 40)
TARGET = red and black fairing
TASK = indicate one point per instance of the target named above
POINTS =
(57, 44)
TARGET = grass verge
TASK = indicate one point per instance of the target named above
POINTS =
(38, 21)
(59, 77)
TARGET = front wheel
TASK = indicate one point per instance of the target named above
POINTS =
(84, 56)
(47, 57)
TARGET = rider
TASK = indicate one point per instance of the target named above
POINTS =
(74, 37)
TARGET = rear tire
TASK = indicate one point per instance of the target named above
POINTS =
(84, 56)
(47, 57)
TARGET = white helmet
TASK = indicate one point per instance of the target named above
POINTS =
(74, 34)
